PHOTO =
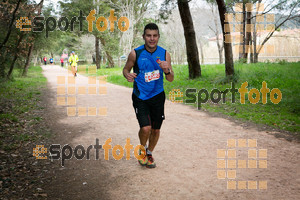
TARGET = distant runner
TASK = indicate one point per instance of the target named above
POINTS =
(73, 61)
(62, 62)
(149, 62)
(45, 60)
(51, 61)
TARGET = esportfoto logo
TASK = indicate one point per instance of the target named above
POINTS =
(63, 23)
(66, 152)
(216, 95)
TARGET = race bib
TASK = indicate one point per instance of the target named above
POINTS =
(152, 76)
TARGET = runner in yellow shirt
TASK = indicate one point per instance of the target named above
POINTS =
(73, 59)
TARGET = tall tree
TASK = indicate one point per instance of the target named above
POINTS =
(229, 66)
(135, 11)
(8, 33)
(220, 45)
(97, 49)
(31, 46)
(247, 39)
(72, 8)
(16, 42)
(16, 51)
(243, 31)
(190, 39)
(292, 7)
(249, 17)
(189, 32)
(10, 24)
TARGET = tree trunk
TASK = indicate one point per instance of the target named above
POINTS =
(10, 25)
(15, 56)
(220, 47)
(201, 52)
(12, 66)
(247, 39)
(255, 57)
(216, 31)
(2, 63)
(255, 54)
(229, 66)
(242, 43)
(3, 50)
(35, 60)
(104, 59)
(190, 39)
(249, 42)
(32, 45)
(220, 54)
(111, 63)
(272, 32)
(251, 53)
(100, 58)
(135, 32)
(97, 50)
(27, 60)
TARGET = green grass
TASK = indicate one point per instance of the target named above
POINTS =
(19, 98)
(284, 76)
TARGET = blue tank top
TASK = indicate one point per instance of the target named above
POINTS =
(149, 80)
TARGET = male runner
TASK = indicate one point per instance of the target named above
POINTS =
(149, 63)
(73, 60)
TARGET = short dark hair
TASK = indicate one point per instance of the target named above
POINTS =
(151, 26)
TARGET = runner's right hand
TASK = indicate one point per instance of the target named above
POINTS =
(130, 77)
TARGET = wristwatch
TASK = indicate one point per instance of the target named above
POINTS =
(168, 72)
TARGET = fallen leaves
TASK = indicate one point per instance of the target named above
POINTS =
(21, 175)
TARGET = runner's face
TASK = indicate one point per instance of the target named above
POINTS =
(151, 38)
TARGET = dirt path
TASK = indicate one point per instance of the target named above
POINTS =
(186, 154)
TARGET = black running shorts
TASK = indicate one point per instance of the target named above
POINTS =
(150, 111)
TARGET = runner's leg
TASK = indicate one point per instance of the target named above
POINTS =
(157, 117)
(73, 70)
(144, 134)
(153, 138)
(142, 114)
(154, 135)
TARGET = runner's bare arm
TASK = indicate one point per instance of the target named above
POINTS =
(167, 67)
(128, 66)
